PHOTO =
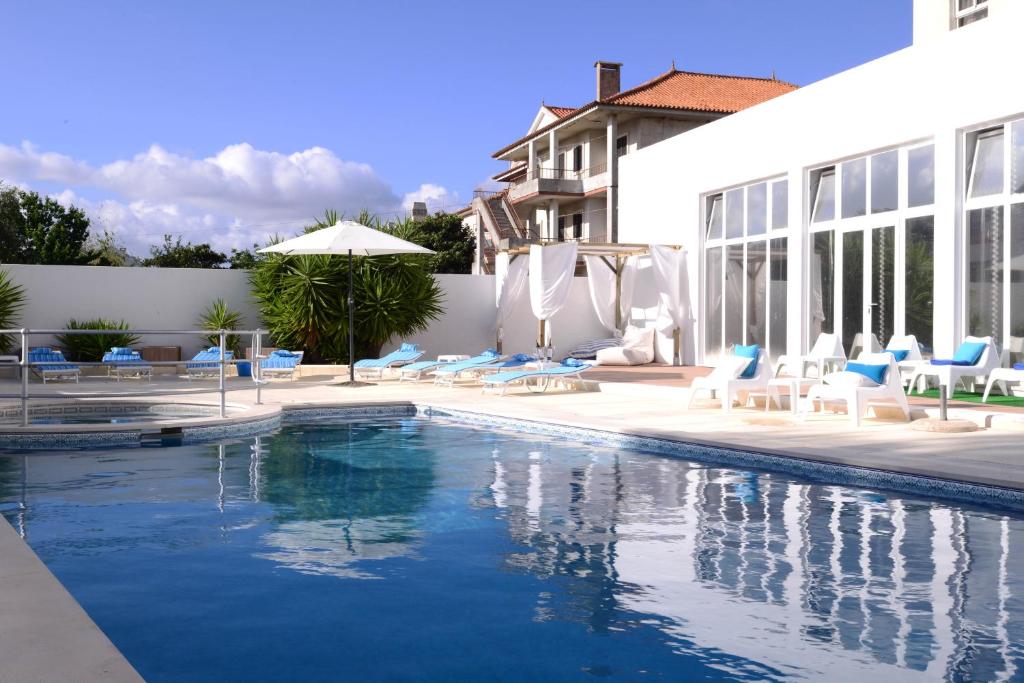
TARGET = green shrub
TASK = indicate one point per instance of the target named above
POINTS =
(219, 317)
(91, 347)
(12, 300)
(304, 299)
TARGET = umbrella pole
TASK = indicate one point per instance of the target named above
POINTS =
(351, 325)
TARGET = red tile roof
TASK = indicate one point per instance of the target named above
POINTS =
(682, 90)
(560, 112)
(702, 92)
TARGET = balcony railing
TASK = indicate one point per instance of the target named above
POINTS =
(558, 173)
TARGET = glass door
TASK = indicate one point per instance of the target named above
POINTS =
(868, 302)
(882, 281)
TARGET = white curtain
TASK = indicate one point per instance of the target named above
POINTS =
(510, 288)
(601, 282)
(669, 267)
(552, 269)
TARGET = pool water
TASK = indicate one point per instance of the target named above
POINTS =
(428, 550)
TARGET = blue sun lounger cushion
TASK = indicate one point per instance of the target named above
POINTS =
(406, 353)
(280, 360)
(1018, 366)
(900, 354)
(875, 373)
(967, 355)
(751, 352)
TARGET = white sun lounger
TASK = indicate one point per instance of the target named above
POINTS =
(859, 398)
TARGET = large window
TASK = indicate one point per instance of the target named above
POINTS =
(871, 274)
(745, 267)
(964, 12)
(994, 236)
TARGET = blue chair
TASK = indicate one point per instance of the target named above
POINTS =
(122, 361)
(570, 368)
(414, 371)
(206, 363)
(405, 354)
(50, 364)
(280, 363)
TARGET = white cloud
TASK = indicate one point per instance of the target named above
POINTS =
(238, 196)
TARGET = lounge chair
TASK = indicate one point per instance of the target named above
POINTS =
(206, 363)
(280, 364)
(907, 352)
(976, 358)
(1000, 376)
(50, 364)
(746, 369)
(122, 361)
(826, 353)
(448, 374)
(405, 354)
(414, 371)
(873, 379)
(570, 368)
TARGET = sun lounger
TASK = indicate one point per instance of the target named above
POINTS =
(826, 353)
(570, 368)
(206, 363)
(448, 374)
(907, 353)
(280, 364)
(50, 365)
(122, 361)
(975, 359)
(873, 379)
(414, 371)
(405, 354)
(747, 369)
(999, 378)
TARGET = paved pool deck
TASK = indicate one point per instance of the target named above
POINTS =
(46, 636)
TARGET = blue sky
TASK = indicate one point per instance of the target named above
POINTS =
(225, 121)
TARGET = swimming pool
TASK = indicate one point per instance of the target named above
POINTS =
(419, 549)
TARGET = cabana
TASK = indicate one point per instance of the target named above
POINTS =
(548, 269)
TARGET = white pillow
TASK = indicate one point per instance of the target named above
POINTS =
(638, 338)
(620, 355)
(847, 380)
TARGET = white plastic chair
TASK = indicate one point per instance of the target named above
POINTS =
(826, 352)
(950, 375)
(725, 380)
(908, 365)
(859, 398)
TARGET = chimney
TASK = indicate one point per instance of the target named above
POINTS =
(607, 79)
(419, 211)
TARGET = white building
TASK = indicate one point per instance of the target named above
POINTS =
(886, 199)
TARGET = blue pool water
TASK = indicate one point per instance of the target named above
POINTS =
(427, 550)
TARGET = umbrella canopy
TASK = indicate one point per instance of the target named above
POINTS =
(345, 237)
(354, 239)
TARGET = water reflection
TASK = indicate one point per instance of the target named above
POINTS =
(756, 575)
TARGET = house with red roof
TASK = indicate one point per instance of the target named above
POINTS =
(561, 182)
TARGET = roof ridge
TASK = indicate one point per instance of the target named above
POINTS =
(766, 79)
(646, 84)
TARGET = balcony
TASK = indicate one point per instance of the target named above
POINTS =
(558, 181)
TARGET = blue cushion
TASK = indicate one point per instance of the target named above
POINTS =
(1018, 366)
(969, 352)
(523, 358)
(406, 348)
(751, 351)
(876, 373)
(574, 363)
(899, 354)
(946, 361)
(284, 354)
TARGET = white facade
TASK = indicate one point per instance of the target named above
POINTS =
(952, 83)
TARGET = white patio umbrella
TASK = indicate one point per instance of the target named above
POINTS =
(354, 239)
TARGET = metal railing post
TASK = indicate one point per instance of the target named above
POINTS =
(943, 398)
(223, 362)
(257, 351)
(24, 377)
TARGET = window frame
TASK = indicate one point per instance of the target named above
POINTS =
(959, 18)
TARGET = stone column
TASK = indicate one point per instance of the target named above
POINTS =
(531, 163)
(553, 147)
(552, 219)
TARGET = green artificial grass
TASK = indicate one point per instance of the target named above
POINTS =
(994, 398)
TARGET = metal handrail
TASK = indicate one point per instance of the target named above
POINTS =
(222, 362)
(559, 173)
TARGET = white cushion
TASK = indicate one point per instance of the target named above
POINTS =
(848, 380)
(620, 355)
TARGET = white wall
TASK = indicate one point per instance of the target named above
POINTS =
(173, 298)
(147, 298)
(953, 80)
(468, 325)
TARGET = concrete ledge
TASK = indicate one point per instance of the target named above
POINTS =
(44, 634)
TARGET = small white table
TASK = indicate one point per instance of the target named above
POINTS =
(452, 358)
(795, 386)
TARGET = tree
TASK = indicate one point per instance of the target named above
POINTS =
(445, 234)
(173, 254)
(40, 230)
(303, 299)
(108, 251)
(245, 259)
